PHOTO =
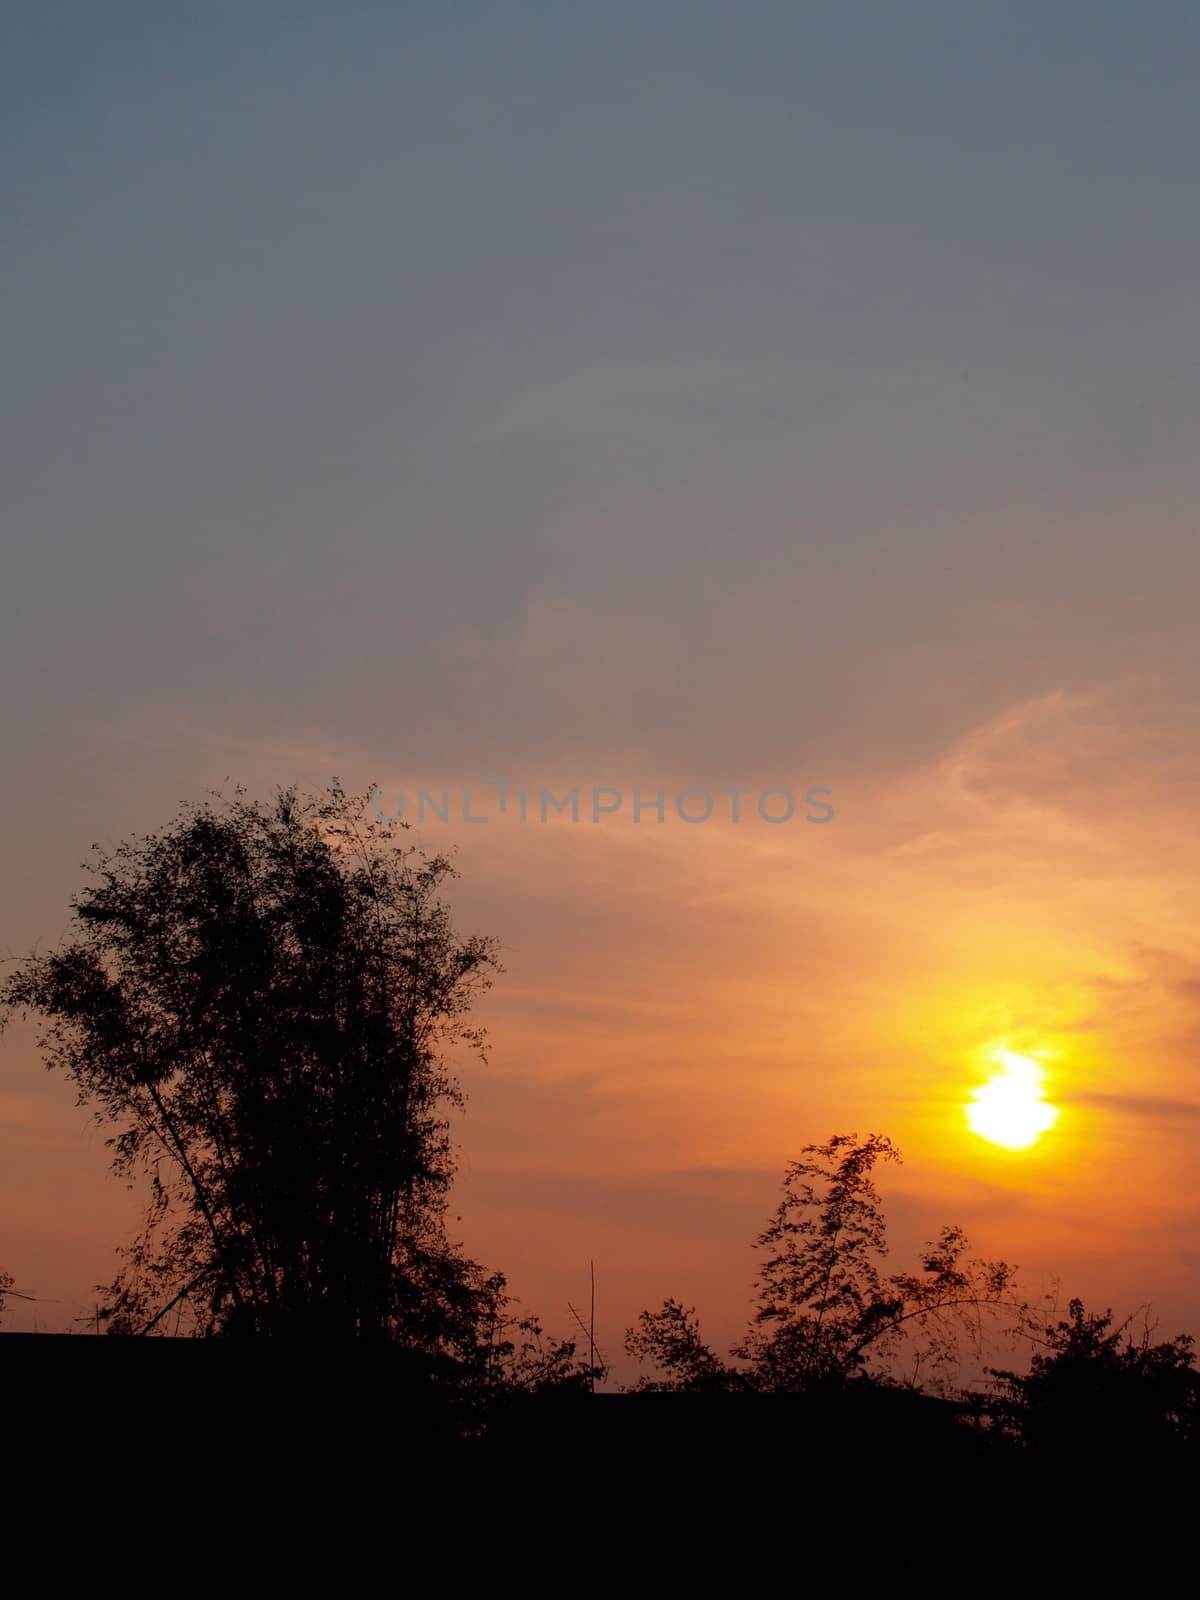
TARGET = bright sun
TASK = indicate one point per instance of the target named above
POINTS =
(1009, 1109)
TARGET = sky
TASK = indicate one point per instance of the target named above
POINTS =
(636, 395)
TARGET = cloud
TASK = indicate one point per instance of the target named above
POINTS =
(676, 1202)
(1155, 1107)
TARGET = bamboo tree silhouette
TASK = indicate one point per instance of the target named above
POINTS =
(824, 1308)
(256, 1003)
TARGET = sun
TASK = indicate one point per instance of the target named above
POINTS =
(1009, 1109)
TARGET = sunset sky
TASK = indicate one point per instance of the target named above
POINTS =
(673, 394)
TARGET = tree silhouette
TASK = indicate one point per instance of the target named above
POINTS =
(824, 1310)
(1095, 1390)
(819, 1289)
(256, 1002)
(670, 1339)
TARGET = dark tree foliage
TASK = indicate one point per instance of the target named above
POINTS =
(825, 1311)
(670, 1339)
(819, 1287)
(258, 1001)
(1095, 1390)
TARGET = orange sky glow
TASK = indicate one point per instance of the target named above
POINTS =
(684, 1007)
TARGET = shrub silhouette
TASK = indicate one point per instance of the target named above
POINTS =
(1094, 1390)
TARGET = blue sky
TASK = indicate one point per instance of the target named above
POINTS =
(775, 335)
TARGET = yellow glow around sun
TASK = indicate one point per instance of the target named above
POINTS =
(1009, 1109)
